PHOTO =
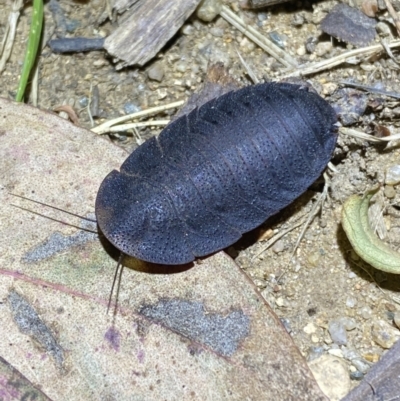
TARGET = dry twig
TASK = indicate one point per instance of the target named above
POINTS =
(106, 127)
(351, 55)
(126, 127)
(361, 135)
(272, 49)
(9, 34)
(370, 89)
(393, 14)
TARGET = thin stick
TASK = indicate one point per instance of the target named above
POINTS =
(267, 45)
(35, 85)
(249, 71)
(371, 89)
(315, 210)
(342, 58)
(278, 236)
(9, 34)
(332, 167)
(361, 135)
(104, 128)
(126, 127)
(389, 51)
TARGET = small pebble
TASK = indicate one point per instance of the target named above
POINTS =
(297, 19)
(311, 44)
(181, 66)
(156, 72)
(278, 39)
(349, 323)
(301, 51)
(336, 352)
(351, 105)
(337, 332)
(384, 334)
(367, 67)
(279, 246)
(327, 338)
(314, 258)
(83, 101)
(282, 303)
(315, 352)
(314, 339)
(161, 93)
(358, 376)
(141, 87)
(130, 108)
(372, 357)
(259, 283)
(72, 25)
(393, 175)
(350, 353)
(365, 312)
(331, 375)
(217, 32)
(396, 319)
(389, 192)
(351, 302)
(361, 365)
(329, 88)
(309, 328)
(323, 48)
(208, 10)
(286, 324)
(188, 29)
(247, 45)
(383, 29)
(262, 17)
(318, 16)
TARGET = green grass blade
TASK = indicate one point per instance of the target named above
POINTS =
(32, 48)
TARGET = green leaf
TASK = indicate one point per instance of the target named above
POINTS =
(367, 245)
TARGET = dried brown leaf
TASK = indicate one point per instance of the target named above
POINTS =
(202, 333)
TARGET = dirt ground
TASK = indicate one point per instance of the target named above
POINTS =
(324, 283)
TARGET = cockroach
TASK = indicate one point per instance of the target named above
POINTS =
(216, 173)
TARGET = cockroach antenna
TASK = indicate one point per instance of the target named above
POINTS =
(120, 268)
(52, 218)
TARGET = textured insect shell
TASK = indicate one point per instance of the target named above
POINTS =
(216, 173)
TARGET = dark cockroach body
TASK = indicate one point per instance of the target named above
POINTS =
(216, 173)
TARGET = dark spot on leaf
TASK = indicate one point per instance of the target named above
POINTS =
(58, 242)
(113, 337)
(29, 322)
(221, 333)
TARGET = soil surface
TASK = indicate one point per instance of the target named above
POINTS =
(329, 300)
